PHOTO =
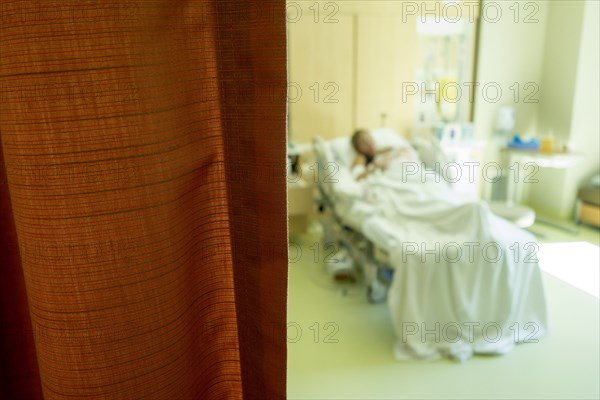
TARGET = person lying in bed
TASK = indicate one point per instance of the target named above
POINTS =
(369, 159)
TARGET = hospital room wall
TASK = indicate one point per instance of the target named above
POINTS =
(561, 50)
(321, 74)
(509, 52)
(360, 61)
(560, 57)
(570, 103)
(388, 55)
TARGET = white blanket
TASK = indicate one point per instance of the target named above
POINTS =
(465, 282)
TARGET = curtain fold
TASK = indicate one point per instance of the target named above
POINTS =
(256, 101)
(144, 250)
(19, 373)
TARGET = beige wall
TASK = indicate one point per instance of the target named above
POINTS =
(364, 50)
(321, 76)
(387, 57)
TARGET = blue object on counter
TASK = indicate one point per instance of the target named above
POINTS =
(518, 143)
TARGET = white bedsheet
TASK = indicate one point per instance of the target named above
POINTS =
(465, 280)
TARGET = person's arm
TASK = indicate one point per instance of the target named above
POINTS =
(364, 174)
(361, 162)
(369, 169)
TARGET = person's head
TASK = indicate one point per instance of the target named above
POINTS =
(363, 143)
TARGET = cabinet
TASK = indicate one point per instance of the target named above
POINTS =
(301, 205)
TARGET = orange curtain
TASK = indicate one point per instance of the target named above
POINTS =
(143, 233)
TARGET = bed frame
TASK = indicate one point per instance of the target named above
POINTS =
(375, 268)
(369, 260)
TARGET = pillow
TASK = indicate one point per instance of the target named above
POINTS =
(343, 151)
(324, 155)
(430, 151)
(322, 150)
(387, 137)
(344, 154)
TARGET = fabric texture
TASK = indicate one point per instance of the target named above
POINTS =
(141, 255)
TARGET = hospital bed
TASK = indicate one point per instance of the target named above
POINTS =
(507, 294)
(338, 191)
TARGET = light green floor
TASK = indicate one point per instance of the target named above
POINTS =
(340, 347)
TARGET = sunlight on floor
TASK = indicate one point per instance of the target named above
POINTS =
(577, 263)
